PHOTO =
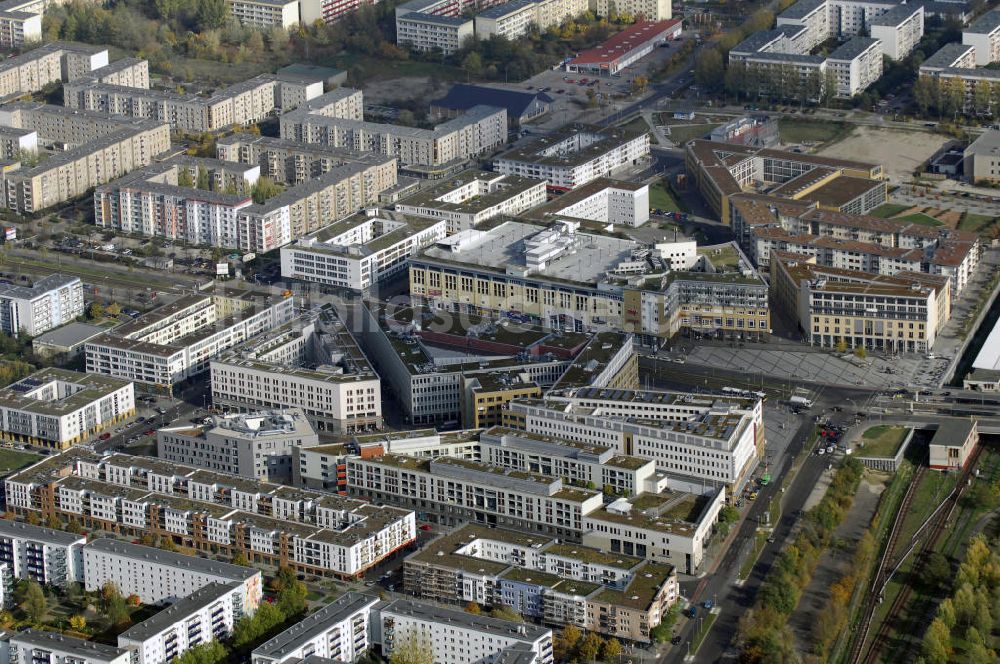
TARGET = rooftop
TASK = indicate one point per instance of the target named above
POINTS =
(493, 189)
(59, 392)
(180, 610)
(314, 624)
(626, 41)
(853, 48)
(501, 628)
(572, 145)
(87, 651)
(18, 529)
(171, 559)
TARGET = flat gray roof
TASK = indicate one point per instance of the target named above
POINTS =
(68, 644)
(169, 558)
(38, 533)
(179, 610)
(314, 624)
(70, 335)
(504, 628)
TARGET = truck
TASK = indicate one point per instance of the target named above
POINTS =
(801, 401)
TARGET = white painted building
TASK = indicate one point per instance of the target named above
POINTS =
(50, 557)
(361, 250)
(984, 36)
(426, 32)
(37, 647)
(576, 155)
(159, 576)
(257, 445)
(56, 408)
(602, 200)
(208, 614)
(855, 65)
(50, 302)
(338, 631)
(899, 29)
(473, 197)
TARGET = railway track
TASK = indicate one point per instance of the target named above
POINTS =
(880, 577)
(923, 542)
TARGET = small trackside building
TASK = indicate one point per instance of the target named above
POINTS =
(624, 49)
(952, 444)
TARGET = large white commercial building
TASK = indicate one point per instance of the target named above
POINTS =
(473, 197)
(984, 36)
(57, 408)
(575, 155)
(312, 363)
(361, 250)
(178, 340)
(257, 445)
(50, 557)
(310, 531)
(49, 302)
(625, 48)
(339, 631)
(157, 576)
(208, 614)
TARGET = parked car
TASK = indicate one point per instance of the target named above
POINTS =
(105, 435)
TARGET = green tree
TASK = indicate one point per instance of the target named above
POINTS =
(841, 346)
(264, 189)
(205, 653)
(184, 178)
(611, 649)
(504, 612)
(240, 559)
(292, 598)
(202, 182)
(473, 64)
(211, 15)
(946, 612)
(34, 603)
(566, 642)
(590, 647)
(708, 71)
(412, 648)
(250, 630)
(114, 309)
(937, 643)
(937, 570)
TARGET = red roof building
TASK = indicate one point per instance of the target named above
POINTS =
(625, 48)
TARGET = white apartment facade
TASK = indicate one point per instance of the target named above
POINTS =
(899, 29)
(338, 631)
(50, 557)
(157, 576)
(48, 303)
(208, 614)
(57, 408)
(360, 251)
(574, 157)
(602, 200)
(257, 445)
(649, 10)
(265, 13)
(984, 36)
(179, 340)
(473, 197)
(38, 647)
(427, 32)
(855, 65)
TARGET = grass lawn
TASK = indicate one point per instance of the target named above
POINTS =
(706, 625)
(882, 440)
(15, 460)
(887, 210)
(378, 68)
(975, 222)
(683, 133)
(922, 219)
(662, 199)
(791, 130)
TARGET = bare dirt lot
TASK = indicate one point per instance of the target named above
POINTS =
(900, 152)
(406, 87)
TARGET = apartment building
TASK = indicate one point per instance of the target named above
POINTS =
(310, 531)
(723, 170)
(561, 278)
(54, 62)
(422, 31)
(956, 63)
(594, 465)
(456, 636)
(16, 144)
(900, 30)
(480, 130)
(981, 158)
(339, 631)
(429, 386)
(179, 340)
(56, 408)
(294, 163)
(625, 48)
(344, 103)
(486, 395)
(575, 155)
(210, 613)
(462, 490)
(47, 303)
(163, 577)
(706, 440)
(473, 197)
(312, 363)
(855, 65)
(40, 647)
(514, 19)
(557, 583)
(602, 200)
(984, 36)
(900, 313)
(764, 224)
(257, 445)
(266, 13)
(50, 557)
(650, 10)
(244, 103)
(105, 149)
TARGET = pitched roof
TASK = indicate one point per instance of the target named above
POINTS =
(463, 96)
